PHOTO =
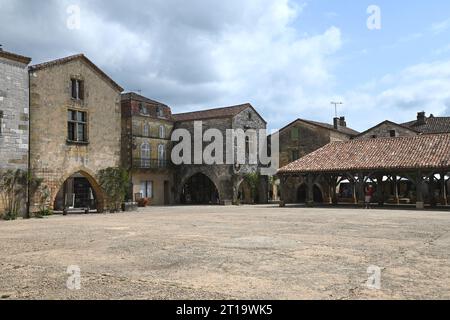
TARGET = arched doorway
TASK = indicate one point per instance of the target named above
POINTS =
(302, 194)
(79, 192)
(199, 189)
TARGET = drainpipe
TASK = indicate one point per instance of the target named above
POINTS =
(27, 214)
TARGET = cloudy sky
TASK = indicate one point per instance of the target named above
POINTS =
(289, 58)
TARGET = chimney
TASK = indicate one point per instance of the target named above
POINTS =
(342, 122)
(421, 118)
(336, 122)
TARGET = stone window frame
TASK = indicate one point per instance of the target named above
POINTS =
(146, 129)
(1, 121)
(162, 132)
(80, 94)
(86, 124)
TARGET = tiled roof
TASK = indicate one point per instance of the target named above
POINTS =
(138, 97)
(344, 130)
(75, 57)
(432, 125)
(227, 112)
(417, 152)
(389, 123)
(14, 57)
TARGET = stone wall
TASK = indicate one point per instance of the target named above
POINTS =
(14, 123)
(226, 178)
(383, 131)
(52, 156)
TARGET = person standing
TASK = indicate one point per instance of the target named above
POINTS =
(369, 192)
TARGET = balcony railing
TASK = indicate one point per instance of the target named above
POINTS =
(140, 163)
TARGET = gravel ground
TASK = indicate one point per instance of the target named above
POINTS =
(260, 252)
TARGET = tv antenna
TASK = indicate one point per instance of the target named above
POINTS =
(336, 104)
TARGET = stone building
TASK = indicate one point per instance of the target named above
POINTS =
(302, 137)
(387, 129)
(75, 129)
(14, 113)
(146, 143)
(409, 170)
(429, 125)
(219, 183)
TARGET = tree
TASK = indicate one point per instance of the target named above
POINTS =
(253, 180)
(15, 187)
(115, 183)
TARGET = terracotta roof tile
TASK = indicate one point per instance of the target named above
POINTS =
(227, 112)
(417, 152)
(432, 125)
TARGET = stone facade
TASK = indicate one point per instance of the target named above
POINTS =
(226, 178)
(300, 138)
(387, 129)
(55, 156)
(146, 143)
(14, 114)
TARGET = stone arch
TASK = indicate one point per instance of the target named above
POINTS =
(189, 175)
(90, 176)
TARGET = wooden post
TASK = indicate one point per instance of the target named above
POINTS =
(444, 198)
(419, 191)
(396, 197)
(380, 190)
(361, 195)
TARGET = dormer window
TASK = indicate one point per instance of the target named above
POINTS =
(77, 88)
(160, 112)
(143, 109)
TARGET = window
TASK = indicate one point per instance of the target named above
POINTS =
(147, 189)
(77, 89)
(160, 112)
(162, 132)
(295, 134)
(77, 126)
(146, 130)
(295, 155)
(1, 121)
(249, 116)
(145, 155)
(374, 136)
(161, 155)
(143, 109)
(393, 133)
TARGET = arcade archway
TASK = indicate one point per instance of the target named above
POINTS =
(199, 189)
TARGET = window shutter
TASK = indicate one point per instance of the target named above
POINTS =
(81, 90)
(295, 134)
(74, 88)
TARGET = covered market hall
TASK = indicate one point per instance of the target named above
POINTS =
(405, 170)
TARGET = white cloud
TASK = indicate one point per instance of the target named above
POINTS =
(421, 87)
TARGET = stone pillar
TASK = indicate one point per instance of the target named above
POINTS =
(444, 198)
(283, 180)
(431, 190)
(310, 191)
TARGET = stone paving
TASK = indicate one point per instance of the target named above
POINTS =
(247, 252)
